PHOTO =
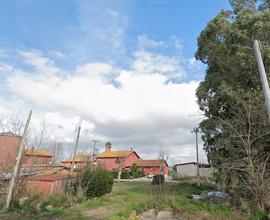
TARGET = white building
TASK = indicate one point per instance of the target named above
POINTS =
(190, 170)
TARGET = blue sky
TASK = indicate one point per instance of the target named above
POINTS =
(125, 68)
(55, 24)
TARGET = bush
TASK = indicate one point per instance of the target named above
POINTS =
(57, 200)
(158, 179)
(124, 175)
(135, 172)
(93, 182)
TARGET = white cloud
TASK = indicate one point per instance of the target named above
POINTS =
(146, 42)
(144, 111)
(102, 31)
(42, 65)
(134, 106)
(194, 63)
(5, 68)
(153, 63)
(58, 54)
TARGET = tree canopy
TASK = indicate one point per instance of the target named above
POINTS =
(231, 96)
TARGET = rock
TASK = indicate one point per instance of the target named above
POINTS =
(49, 207)
(168, 215)
(23, 200)
(148, 215)
(268, 217)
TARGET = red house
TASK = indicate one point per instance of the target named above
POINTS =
(152, 166)
(9, 145)
(112, 160)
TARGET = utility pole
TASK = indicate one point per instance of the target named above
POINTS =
(75, 149)
(196, 131)
(264, 80)
(16, 171)
(94, 148)
(56, 149)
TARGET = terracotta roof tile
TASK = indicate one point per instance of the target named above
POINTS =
(81, 158)
(37, 152)
(115, 154)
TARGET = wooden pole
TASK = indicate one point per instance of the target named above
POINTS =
(16, 171)
(75, 149)
(196, 130)
(93, 152)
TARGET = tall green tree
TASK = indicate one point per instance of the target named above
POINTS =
(226, 47)
(236, 128)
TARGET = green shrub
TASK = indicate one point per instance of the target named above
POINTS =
(124, 175)
(94, 182)
(158, 179)
(135, 172)
(259, 215)
(57, 200)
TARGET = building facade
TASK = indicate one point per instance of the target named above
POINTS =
(190, 170)
(152, 167)
(9, 145)
(113, 160)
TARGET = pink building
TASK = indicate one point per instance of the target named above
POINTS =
(112, 160)
(152, 166)
(9, 145)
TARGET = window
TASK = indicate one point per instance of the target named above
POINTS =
(154, 168)
(119, 160)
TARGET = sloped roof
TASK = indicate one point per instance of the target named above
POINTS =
(50, 177)
(116, 154)
(194, 163)
(37, 152)
(10, 134)
(79, 158)
(148, 163)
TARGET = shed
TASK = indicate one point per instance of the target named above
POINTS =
(190, 170)
(47, 184)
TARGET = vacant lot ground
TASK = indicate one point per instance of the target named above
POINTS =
(138, 201)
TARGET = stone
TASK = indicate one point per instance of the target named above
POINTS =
(49, 207)
(168, 215)
(148, 215)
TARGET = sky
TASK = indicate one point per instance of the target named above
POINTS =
(123, 69)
